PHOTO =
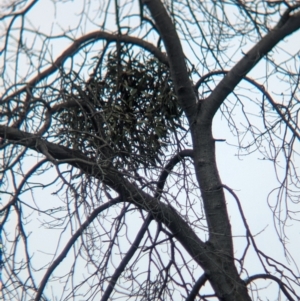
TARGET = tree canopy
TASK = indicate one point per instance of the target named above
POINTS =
(110, 154)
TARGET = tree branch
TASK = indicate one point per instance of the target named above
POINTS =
(280, 283)
(70, 243)
(251, 58)
(84, 41)
(119, 270)
(261, 88)
(180, 76)
(161, 212)
(199, 283)
(22, 183)
(168, 168)
(220, 266)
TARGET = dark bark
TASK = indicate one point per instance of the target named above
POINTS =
(216, 255)
(248, 62)
(219, 268)
(217, 262)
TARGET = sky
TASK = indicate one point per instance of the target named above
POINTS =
(252, 177)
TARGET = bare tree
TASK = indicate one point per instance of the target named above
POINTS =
(110, 186)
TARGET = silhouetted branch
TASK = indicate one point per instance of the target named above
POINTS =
(199, 283)
(168, 168)
(282, 286)
(119, 270)
(250, 59)
(262, 89)
(71, 242)
(180, 76)
(161, 212)
(82, 42)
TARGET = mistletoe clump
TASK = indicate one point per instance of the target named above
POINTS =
(128, 114)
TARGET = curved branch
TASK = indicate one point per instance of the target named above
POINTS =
(119, 270)
(280, 283)
(168, 168)
(200, 282)
(70, 243)
(287, 25)
(261, 88)
(208, 75)
(84, 41)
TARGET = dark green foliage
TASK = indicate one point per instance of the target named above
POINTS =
(128, 114)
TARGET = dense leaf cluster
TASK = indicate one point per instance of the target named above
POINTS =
(128, 114)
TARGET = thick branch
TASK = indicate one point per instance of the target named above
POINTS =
(196, 288)
(103, 171)
(180, 76)
(262, 89)
(168, 168)
(251, 58)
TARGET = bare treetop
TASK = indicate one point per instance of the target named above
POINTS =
(110, 187)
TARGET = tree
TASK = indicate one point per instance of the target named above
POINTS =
(110, 185)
